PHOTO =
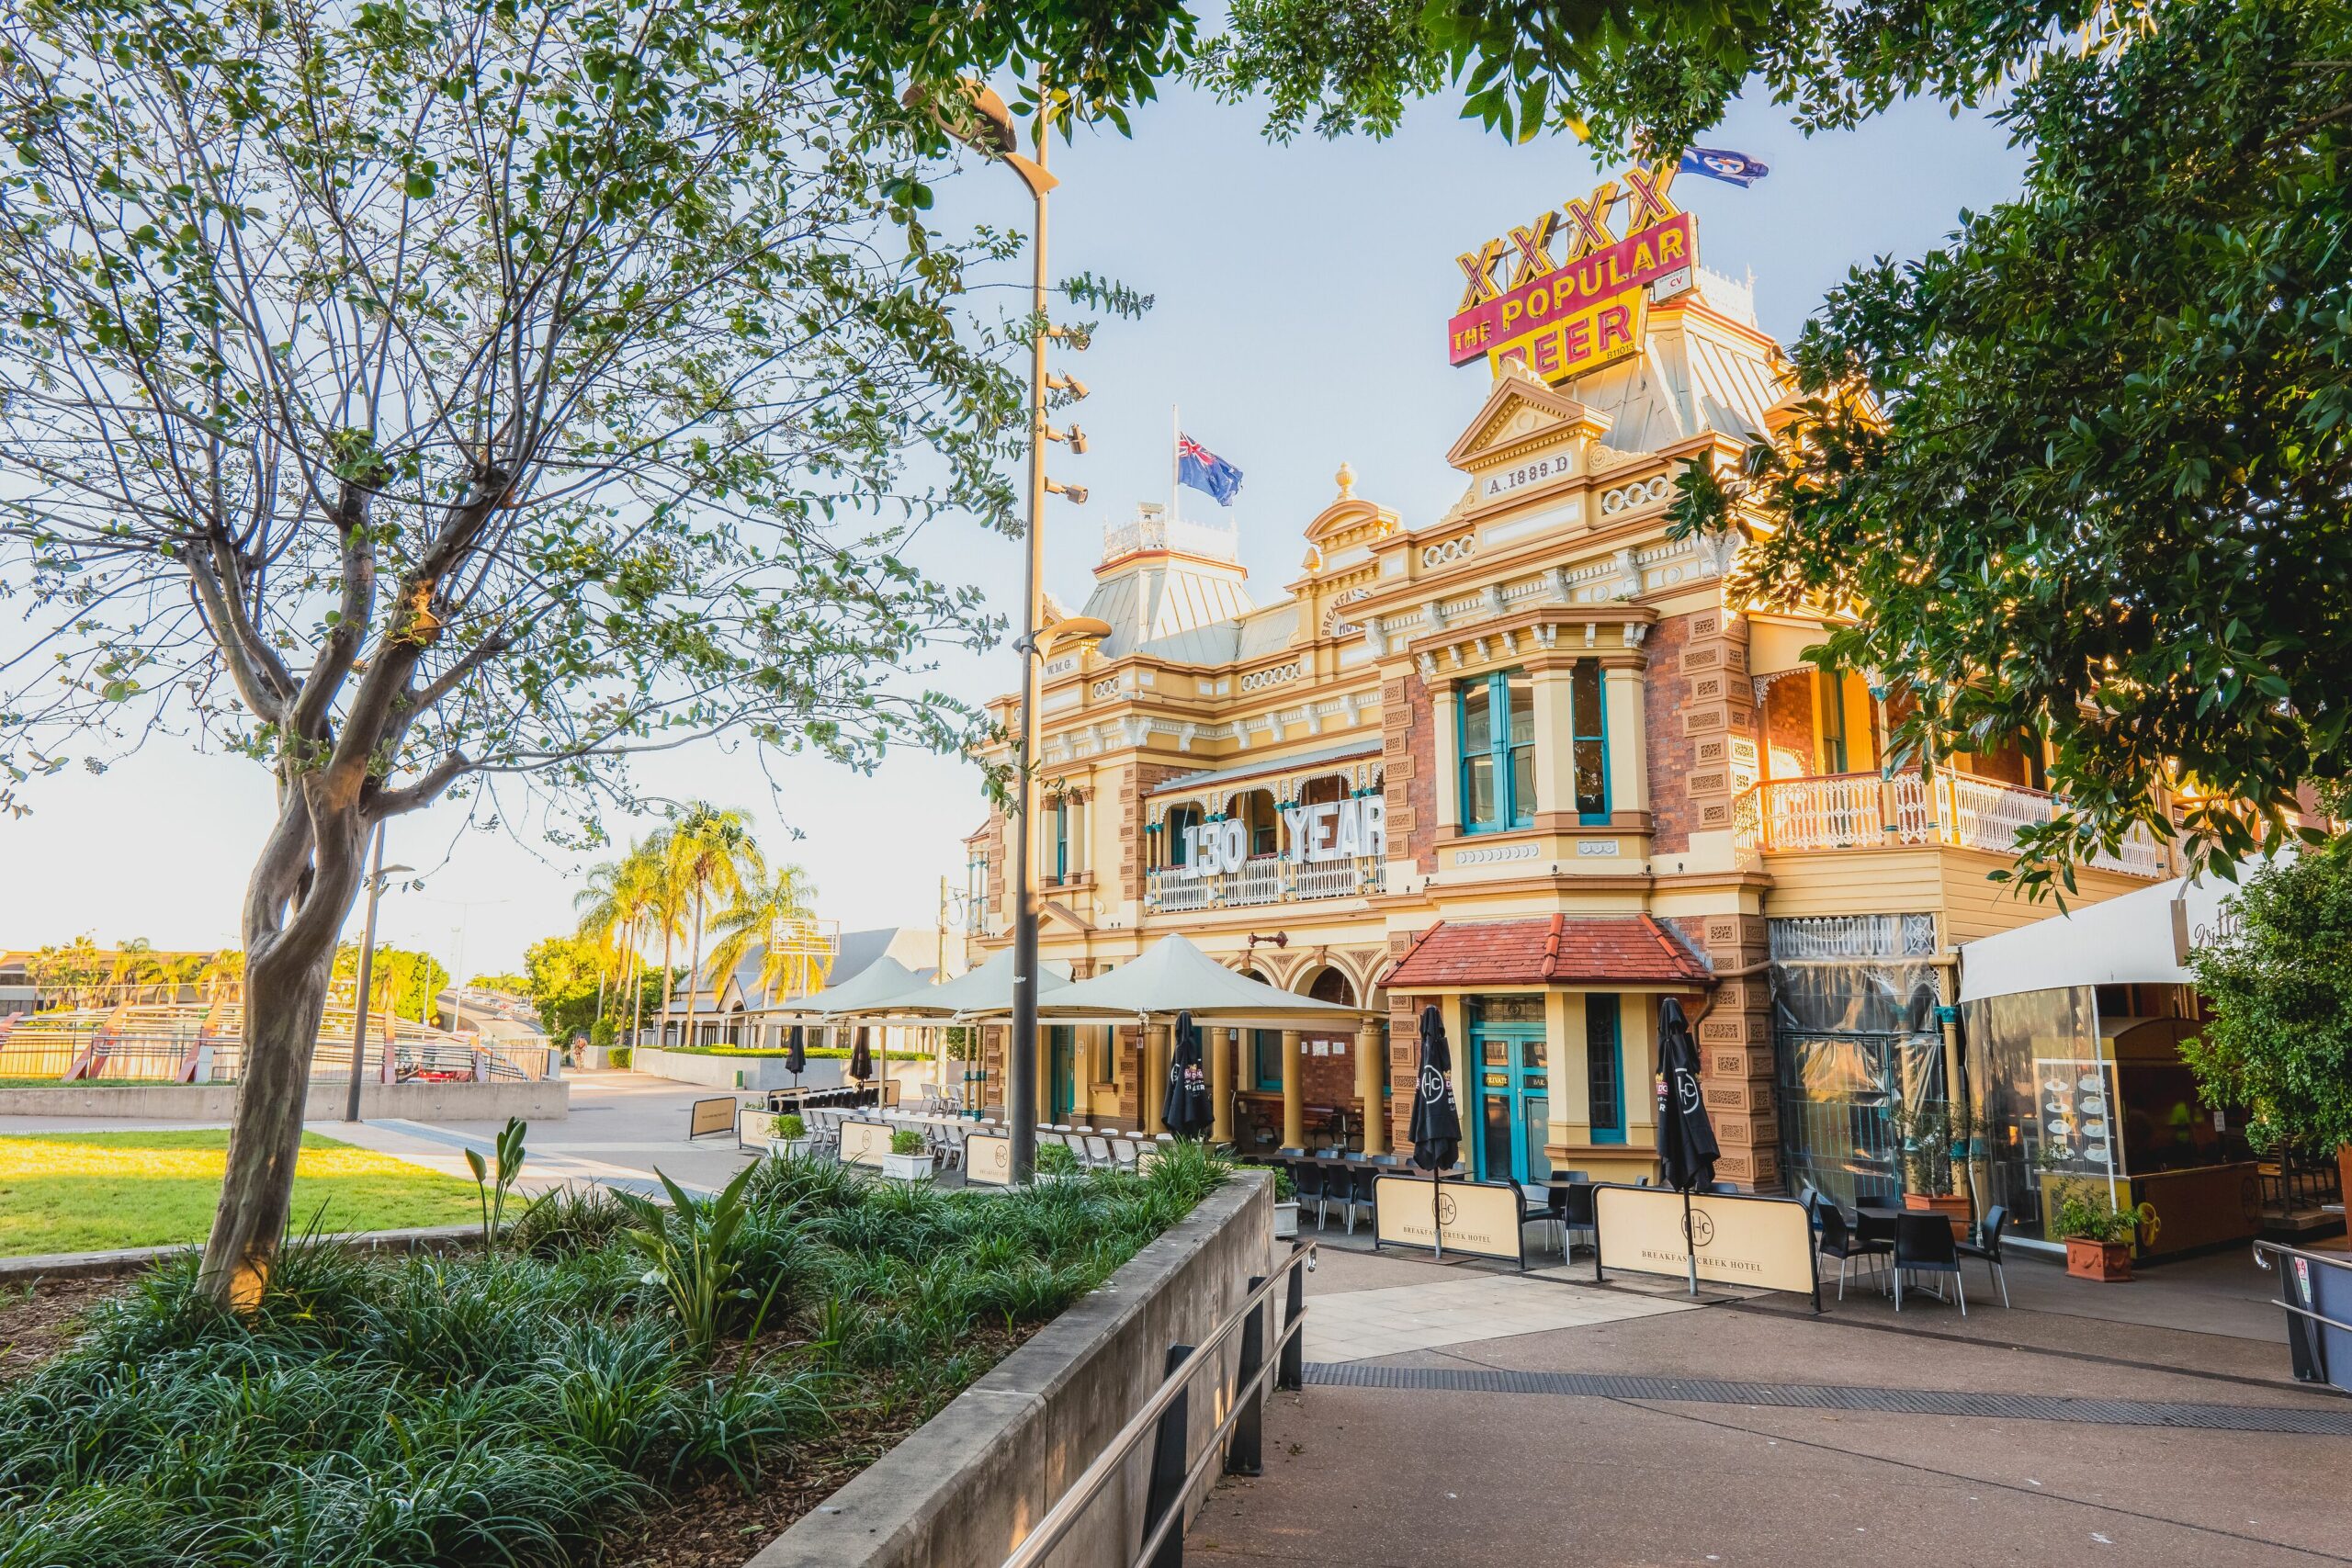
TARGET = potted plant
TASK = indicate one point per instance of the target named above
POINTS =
(789, 1135)
(1928, 1134)
(909, 1157)
(1286, 1206)
(1056, 1162)
(2098, 1236)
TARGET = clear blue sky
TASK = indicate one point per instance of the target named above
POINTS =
(1301, 293)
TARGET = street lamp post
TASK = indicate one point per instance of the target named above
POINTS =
(983, 124)
(366, 966)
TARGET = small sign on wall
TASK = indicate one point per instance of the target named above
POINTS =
(864, 1143)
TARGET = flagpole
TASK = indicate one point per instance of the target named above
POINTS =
(1175, 460)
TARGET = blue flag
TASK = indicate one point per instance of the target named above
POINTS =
(1721, 163)
(1203, 469)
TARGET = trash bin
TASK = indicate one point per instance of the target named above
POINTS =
(2319, 1345)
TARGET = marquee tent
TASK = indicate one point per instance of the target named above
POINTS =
(1172, 977)
(984, 992)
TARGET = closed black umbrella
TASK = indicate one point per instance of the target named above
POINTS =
(861, 1059)
(1186, 1109)
(795, 1053)
(1686, 1138)
(1436, 1126)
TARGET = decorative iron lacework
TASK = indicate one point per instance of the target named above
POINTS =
(1852, 936)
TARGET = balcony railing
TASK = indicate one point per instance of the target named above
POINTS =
(1268, 879)
(1844, 811)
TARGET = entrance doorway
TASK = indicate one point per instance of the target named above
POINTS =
(1514, 1087)
(1061, 1054)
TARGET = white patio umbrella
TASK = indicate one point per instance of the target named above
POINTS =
(984, 992)
(1172, 977)
(866, 994)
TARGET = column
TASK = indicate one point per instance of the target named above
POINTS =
(1372, 1073)
(1154, 1088)
(1223, 1045)
(1629, 782)
(1293, 1089)
(1448, 763)
(1555, 788)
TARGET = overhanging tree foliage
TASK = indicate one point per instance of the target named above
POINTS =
(414, 397)
(2100, 494)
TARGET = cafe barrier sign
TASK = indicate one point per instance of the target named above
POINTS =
(1565, 298)
(1765, 1243)
(864, 1143)
(988, 1160)
(1481, 1218)
(708, 1116)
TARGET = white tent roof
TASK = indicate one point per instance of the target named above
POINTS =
(983, 992)
(1172, 977)
(867, 991)
(2141, 938)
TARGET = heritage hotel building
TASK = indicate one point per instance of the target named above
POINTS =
(1526, 761)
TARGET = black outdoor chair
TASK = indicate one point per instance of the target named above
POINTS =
(1923, 1244)
(1307, 1177)
(1360, 1179)
(1988, 1247)
(1572, 1206)
(1729, 1189)
(1835, 1241)
(1535, 1207)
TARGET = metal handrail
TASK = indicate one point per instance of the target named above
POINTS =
(2323, 1258)
(1065, 1513)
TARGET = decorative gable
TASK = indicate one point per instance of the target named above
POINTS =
(1520, 415)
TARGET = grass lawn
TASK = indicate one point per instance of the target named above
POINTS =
(92, 1192)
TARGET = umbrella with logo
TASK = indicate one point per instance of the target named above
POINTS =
(1186, 1109)
(1436, 1126)
(1686, 1138)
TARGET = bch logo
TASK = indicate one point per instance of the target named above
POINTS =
(1703, 1229)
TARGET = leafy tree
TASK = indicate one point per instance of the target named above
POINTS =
(400, 981)
(433, 397)
(2098, 493)
(565, 980)
(513, 985)
(710, 852)
(2280, 984)
(772, 915)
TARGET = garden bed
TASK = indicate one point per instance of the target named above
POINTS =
(553, 1403)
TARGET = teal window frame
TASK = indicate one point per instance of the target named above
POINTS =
(1061, 839)
(1511, 812)
(1261, 1042)
(1588, 729)
(1604, 1064)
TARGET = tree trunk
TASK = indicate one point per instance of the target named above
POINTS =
(666, 986)
(285, 995)
(636, 985)
(693, 971)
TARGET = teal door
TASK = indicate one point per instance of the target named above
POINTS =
(1061, 1051)
(1512, 1083)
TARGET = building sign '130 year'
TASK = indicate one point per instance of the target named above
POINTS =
(1328, 830)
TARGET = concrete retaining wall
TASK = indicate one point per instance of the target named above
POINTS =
(760, 1074)
(965, 1487)
(546, 1101)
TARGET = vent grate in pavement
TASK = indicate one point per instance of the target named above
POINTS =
(1826, 1396)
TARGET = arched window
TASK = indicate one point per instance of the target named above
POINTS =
(1175, 843)
(1254, 810)
(1331, 986)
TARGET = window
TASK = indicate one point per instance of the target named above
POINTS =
(1057, 841)
(1604, 1067)
(1832, 686)
(1254, 810)
(1106, 1054)
(1266, 1058)
(1497, 735)
(1175, 844)
(1588, 741)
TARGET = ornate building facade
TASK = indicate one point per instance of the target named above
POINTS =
(1526, 761)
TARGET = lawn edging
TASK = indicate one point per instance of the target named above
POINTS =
(131, 1259)
(963, 1488)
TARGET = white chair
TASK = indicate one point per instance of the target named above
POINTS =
(1123, 1151)
(1097, 1152)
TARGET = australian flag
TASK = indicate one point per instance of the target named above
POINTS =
(1203, 469)
(1721, 163)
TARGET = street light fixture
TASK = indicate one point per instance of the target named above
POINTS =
(973, 115)
(366, 966)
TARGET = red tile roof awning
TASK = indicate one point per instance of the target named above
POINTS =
(1564, 950)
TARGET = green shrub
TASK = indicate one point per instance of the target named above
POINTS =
(2080, 1219)
(1057, 1159)
(907, 1140)
(569, 1219)
(789, 1126)
(621, 1056)
(691, 1256)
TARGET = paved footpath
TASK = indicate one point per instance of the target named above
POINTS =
(1455, 1416)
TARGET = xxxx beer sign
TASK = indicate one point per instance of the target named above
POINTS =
(1571, 292)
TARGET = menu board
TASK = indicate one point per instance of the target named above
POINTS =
(2077, 1118)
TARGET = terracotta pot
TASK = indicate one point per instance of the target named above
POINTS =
(2107, 1260)
(2344, 1172)
(1950, 1206)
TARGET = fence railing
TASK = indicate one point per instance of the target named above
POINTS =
(1267, 880)
(208, 1046)
(1268, 1360)
(1844, 811)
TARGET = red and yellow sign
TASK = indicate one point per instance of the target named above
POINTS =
(1553, 311)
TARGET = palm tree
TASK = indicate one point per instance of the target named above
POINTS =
(711, 853)
(618, 909)
(769, 914)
